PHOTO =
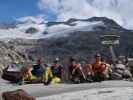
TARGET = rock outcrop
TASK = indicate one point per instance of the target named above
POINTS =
(13, 51)
(17, 95)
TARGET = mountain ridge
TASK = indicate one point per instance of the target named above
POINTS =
(45, 28)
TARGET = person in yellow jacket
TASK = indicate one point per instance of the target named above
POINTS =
(53, 74)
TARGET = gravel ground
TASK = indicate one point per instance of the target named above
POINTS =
(121, 93)
(107, 90)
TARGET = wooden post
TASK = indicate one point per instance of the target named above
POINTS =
(113, 56)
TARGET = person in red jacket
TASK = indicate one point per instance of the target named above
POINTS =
(99, 69)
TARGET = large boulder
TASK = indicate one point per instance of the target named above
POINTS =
(17, 95)
(116, 76)
(120, 66)
(120, 71)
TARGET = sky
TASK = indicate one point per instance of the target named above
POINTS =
(12, 9)
(61, 10)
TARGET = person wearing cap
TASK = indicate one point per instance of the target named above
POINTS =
(99, 69)
(54, 74)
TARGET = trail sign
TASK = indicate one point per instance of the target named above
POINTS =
(110, 39)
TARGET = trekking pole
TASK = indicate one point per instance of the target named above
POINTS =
(82, 73)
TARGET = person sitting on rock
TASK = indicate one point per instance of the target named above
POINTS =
(26, 74)
(99, 69)
(76, 74)
(39, 69)
(54, 74)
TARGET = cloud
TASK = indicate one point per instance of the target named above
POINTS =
(49, 4)
(35, 19)
(119, 10)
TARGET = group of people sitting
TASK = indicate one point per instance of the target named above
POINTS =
(77, 73)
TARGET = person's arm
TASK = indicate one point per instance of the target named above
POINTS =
(91, 69)
(77, 67)
(30, 72)
(62, 71)
(88, 69)
(63, 76)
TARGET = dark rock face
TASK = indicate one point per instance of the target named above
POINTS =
(17, 95)
(83, 44)
(31, 30)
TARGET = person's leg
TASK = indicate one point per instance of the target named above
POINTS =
(76, 80)
(82, 79)
(105, 74)
(33, 78)
(55, 80)
(36, 80)
(98, 77)
(47, 77)
(89, 78)
(48, 81)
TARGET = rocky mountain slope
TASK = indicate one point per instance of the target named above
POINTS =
(76, 37)
(84, 41)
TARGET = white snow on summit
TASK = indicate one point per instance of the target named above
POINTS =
(64, 30)
(20, 31)
(57, 30)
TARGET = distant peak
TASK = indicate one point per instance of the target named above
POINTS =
(31, 19)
